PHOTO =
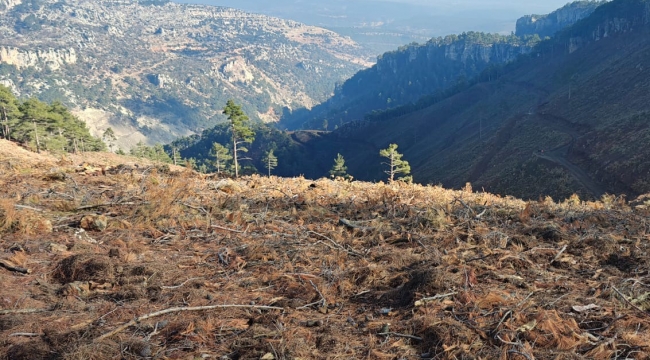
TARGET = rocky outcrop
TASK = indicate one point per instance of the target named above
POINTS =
(549, 24)
(8, 4)
(237, 71)
(11, 85)
(52, 59)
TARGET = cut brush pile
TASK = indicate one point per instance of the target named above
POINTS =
(141, 262)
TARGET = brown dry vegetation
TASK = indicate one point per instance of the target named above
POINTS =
(318, 269)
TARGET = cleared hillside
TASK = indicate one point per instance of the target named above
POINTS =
(139, 262)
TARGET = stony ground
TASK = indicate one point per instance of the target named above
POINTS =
(109, 259)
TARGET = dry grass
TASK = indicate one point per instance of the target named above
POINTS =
(501, 278)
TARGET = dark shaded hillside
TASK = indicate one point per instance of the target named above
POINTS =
(571, 117)
(404, 76)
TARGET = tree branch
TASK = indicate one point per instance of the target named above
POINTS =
(14, 268)
(181, 309)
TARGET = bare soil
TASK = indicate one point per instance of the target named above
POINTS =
(148, 262)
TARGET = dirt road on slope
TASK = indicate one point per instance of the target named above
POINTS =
(559, 154)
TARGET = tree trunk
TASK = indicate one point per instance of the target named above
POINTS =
(5, 123)
(38, 143)
(234, 143)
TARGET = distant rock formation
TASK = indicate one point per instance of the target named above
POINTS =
(549, 24)
(51, 59)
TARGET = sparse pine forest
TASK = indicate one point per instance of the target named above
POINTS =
(42, 126)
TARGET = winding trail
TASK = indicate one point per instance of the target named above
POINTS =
(558, 155)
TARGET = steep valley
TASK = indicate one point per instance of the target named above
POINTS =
(155, 70)
(405, 75)
(570, 117)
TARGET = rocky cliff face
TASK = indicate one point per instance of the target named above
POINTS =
(413, 71)
(613, 19)
(51, 59)
(160, 69)
(549, 24)
(463, 50)
(8, 4)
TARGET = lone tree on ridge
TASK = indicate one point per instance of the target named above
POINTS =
(395, 164)
(240, 129)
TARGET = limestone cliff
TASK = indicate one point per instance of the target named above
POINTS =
(411, 72)
(8, 4)
(50, 58)
(549, 24)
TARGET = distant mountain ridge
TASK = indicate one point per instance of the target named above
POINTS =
(154, 70)
(403, 76)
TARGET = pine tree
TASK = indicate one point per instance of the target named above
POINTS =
(221, 156)
(8, 111)
(109, 137)
(339, 169)
(154, 153)
(270, 161)
(240, 129)
(395, 164)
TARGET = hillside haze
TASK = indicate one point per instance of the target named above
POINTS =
(385, 25)
(412, 71)
(155, 70)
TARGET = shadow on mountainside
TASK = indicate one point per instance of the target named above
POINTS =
(559, 154)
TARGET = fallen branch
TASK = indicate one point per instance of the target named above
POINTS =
(309, 305)
(227, 229)
(22, 311)
(465, 205)
(181, 309)
(14, 268)
(481, 214)
(629, 302)
(88, 207)
(181, 285)
(29, 208)
(433, 298)
(401, 335)
(196, 208)
(322, 301)
(24, 334)
(353, 225)
(337, 245)
(322, 298)
(558, 254)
